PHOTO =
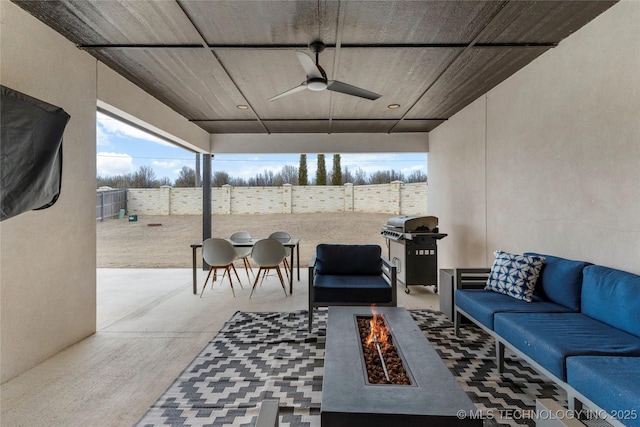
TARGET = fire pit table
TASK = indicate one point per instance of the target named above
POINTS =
(349, 398)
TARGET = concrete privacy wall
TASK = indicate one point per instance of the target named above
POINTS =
(395, 198)
(549, 160)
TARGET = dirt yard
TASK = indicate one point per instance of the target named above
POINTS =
(164, 241)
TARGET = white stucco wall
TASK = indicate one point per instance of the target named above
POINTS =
(47, 265)
(48, 257)
(549, 160)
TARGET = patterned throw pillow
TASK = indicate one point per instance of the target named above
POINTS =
(514, 275)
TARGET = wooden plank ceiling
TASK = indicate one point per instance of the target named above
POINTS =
(204, 58)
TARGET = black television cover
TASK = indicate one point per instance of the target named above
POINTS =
(30, 153)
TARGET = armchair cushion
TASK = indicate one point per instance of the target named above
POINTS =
(358, 260)
(351, 289)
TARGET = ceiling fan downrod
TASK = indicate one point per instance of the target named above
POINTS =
(317, 84)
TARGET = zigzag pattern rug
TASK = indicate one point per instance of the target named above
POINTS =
(259, 356)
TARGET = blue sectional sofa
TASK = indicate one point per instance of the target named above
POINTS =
(581, 329)
(350, 275)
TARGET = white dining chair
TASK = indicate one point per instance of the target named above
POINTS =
(268, 254)
(243, 253)
(283, 237)
(219, 254)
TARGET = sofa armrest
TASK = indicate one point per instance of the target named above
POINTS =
(471, 277)
(390, 271)
(312, 269)
(312, 273)
(550, 414)
(268, 415)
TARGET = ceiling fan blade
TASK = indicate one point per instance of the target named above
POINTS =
(302, 87)
(309, 66)
(337, 86)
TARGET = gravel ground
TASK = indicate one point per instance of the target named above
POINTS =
(164, 241)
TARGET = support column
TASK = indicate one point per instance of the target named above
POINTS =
(287, 198)
(348, 197)
(398, 195)
(226, 192)
(165, 196)
(206, 200)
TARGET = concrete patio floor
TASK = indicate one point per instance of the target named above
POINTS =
(149, 327)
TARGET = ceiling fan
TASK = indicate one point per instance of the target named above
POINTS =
(317, 78)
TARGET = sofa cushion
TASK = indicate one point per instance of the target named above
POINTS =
(482, 305)
(514, 275)
(549, 338)
(613, 297)
(560, 280)
(348, 259)
(355, 289)
(619, 376)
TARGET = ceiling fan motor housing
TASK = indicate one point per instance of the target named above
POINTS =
(316, 84)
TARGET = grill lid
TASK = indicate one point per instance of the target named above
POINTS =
(412, 224)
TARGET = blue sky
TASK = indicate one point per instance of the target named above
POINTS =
(122, 149)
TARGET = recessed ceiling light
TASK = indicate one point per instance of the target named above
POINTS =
(243, 107)
(393, 106)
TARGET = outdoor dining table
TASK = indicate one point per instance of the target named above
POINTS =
(293, 243)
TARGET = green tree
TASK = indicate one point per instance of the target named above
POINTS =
(321, 172)
(336, 174)
(302, 171)
(186, 177)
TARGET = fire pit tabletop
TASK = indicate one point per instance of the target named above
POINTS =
(347, 399)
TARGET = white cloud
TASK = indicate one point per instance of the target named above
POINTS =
(171, 167)
(177, 171)
(251, 171)
(168, 164)
(109, 126)
(110, 164)
(408, 170)
(102, 137)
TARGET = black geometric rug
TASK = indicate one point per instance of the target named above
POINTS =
(258, 356)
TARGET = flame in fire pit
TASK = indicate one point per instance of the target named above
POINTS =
(382, 361)
(379, 332)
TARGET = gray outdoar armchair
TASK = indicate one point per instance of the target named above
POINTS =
(350, 275)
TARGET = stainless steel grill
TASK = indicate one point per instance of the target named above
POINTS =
(411, 241)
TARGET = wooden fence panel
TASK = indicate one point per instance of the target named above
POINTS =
(109, 203)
